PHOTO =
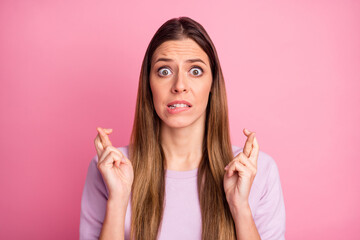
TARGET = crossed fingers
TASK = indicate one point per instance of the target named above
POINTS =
(102, 140)
(247, 158)
(110, 154)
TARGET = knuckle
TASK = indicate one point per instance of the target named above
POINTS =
(241, 161)
(114, 154)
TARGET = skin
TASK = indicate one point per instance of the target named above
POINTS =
(182, 133)
(115, 167)
(238, 179)
(118, 174)
(181, 137)
(240, 173)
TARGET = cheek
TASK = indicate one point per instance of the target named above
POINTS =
(156, 93)
(205, 90)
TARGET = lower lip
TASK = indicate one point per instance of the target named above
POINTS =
(177, 110)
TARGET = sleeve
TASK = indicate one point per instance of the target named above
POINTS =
(93, 203)
(270, 212)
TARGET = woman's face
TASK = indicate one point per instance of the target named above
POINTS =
(180, 71)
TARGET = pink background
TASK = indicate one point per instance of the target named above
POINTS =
(292, 76)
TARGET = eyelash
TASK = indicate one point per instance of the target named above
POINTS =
(192, 67)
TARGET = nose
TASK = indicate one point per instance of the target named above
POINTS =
(180, 84)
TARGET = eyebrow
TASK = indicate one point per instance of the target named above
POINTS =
(189, 60)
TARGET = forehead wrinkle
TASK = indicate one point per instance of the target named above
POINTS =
(172, 49)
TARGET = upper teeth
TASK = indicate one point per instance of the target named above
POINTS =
(178, 105)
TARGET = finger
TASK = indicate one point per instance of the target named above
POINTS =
(233, 160)
(98, 146)
(255, 152)
(248, 144)
(241, 158)
(104, 137)
(236, 167)
(110, 150)
(246, 162)
(111, 159)
(106, 130)
(246, 131)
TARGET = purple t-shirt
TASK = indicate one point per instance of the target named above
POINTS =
(182, 215)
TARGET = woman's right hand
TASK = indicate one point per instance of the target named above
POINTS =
(115, 167)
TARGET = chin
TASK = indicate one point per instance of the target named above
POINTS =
(177, 124)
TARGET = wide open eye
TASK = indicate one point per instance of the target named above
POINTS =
(164, 71)
(196, 71)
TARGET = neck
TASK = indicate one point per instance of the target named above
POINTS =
(182, 146)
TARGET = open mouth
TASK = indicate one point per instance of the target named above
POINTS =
(182, 105)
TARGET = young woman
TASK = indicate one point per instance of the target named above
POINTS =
(180, 177)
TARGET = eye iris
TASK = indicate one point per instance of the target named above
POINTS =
(165, 72)
(197, 71)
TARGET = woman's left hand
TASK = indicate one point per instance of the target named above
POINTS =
(240, 173)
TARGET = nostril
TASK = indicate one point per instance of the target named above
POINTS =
(184, 90)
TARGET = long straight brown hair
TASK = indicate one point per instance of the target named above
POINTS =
(147, 156)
